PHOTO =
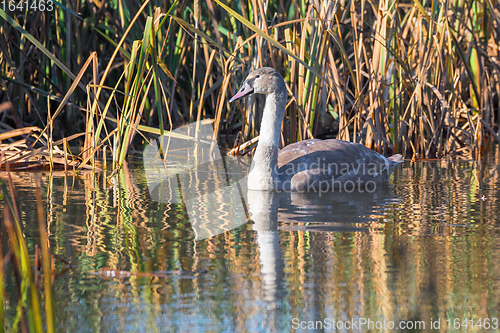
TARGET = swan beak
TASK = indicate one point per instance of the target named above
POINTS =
(245, 90)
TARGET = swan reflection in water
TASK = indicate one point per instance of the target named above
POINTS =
(275, 212)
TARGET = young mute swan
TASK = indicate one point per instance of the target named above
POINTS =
(309, 165)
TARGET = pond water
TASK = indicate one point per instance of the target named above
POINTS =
(422, 252)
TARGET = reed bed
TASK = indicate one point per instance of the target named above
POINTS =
(418, 78)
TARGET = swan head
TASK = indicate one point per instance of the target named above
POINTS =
(265, 80)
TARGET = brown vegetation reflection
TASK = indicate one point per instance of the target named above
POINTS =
(426, 248)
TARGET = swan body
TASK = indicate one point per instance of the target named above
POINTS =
(309, 165)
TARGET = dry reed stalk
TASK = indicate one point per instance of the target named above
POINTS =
(222, 100)
(205, 81)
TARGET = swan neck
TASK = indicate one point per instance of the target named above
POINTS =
(272, 117)
(263, 174)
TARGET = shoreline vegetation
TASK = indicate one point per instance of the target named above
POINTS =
(417, 78)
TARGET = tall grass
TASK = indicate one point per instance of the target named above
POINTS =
(419, 78)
